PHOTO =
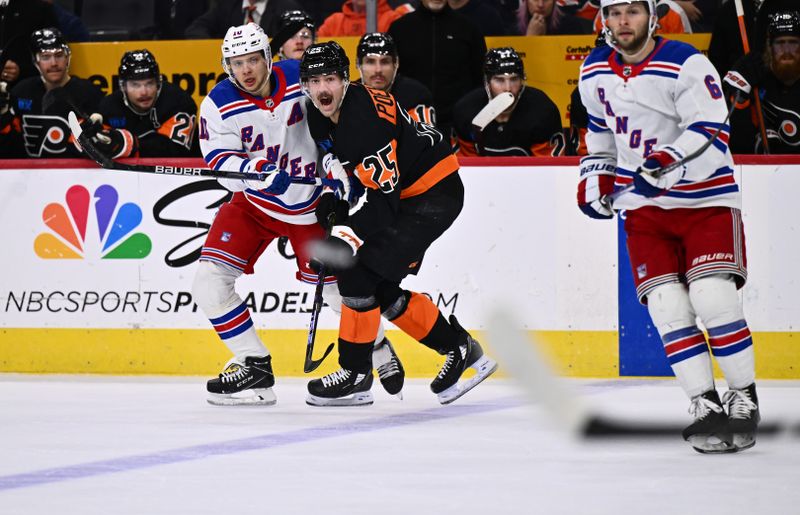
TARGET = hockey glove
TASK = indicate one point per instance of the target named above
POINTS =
(650, 180)
(268, 178)
(336, 252)
(116, 143)
(334, 170)
(597, 181)
(329, 205)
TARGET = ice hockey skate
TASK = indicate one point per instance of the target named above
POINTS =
(244, 384)
(341, 388)
(468, 355)
(708, 434)
(743, 416)
(390, 370)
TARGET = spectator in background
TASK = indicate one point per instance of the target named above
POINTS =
(352, 19)
(35, 123)
(228, 13)
(701, 13)
(320, 9)
(377, 62)
(444, 51)
(776, 72)
(671, 18)
(70, 25)
(296, 33)
(18, 20)
(726, 47)
(482, 13)
(544, 17)
(171, 17)
(146, 116)
(531, 126)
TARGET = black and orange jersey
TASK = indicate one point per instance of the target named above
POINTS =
(393, 156)
(414, 97)
(36, 127)
(168, 130)
(534, 128)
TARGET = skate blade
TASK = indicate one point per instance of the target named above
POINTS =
(711, 444)
(743, 441)
(393, 389)
(251, 397)
(356, 399)
(484, 367)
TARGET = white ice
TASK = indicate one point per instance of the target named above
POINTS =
(110, 445)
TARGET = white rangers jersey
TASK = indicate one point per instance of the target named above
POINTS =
(672, 98)
(236, 127)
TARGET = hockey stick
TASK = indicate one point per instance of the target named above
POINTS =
(110, 164)
(608, 200)
(521, 358)
(756, 92)
(492, 110)
(310, 364)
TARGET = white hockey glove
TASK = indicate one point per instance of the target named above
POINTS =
(334, 170)
(597, 181)
(736, 81)
(650, 181)
(336, 252)
(5, 98)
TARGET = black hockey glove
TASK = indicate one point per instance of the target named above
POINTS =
(747, 73)
(116, 143)
(329, 205)
(336, 252)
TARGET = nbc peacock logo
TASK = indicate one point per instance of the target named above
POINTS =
(71, 221)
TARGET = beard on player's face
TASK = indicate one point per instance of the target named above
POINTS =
(785, 65)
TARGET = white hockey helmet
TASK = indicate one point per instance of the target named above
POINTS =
(245, 39)
(651, 26)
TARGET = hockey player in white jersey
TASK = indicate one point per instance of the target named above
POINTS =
(651, 102)
(254, 122)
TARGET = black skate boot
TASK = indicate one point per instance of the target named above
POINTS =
(743, 416)
(708, 434)
(390, 370)
(468, 355)
(341, 388)
(248, 384)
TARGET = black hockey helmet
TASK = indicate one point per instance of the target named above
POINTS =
(324, 59)
(49, 39)
(785, 23)
(297, 16)
(376, 43)
(138, 65)
(501, 61)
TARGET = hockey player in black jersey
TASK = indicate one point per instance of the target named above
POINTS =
(413, 193)
(147, 116)
(777, 73)
(34, 121)
(531, 126)
(296, 33)
(377, 62)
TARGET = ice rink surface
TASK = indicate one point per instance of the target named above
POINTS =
(110, 445)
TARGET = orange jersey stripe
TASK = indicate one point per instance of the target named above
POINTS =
(438, 172)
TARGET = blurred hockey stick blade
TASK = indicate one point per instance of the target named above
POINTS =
(531, 370)
(106, 162)
(492, 110)
(608, 200)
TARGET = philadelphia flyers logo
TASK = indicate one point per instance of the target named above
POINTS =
(45, 134)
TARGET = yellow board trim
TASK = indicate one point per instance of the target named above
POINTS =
(199, 352)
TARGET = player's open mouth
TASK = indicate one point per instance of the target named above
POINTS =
(325, 100)
(250, 82)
